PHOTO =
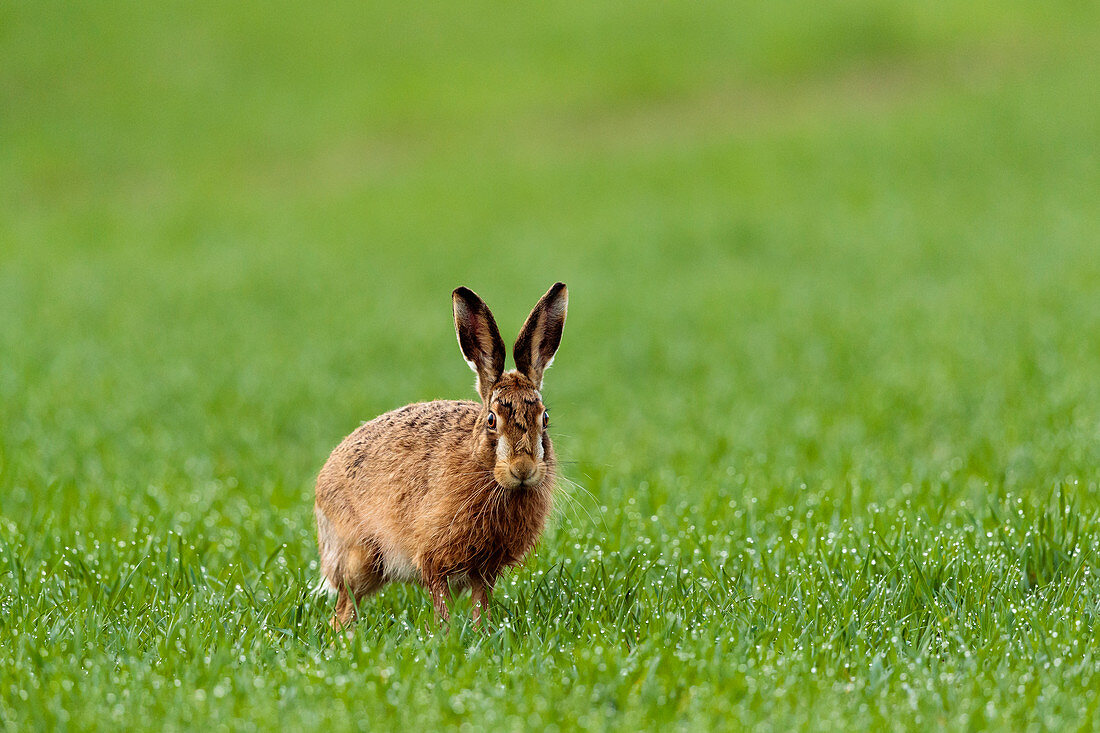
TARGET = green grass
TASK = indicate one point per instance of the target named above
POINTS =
(828, 387)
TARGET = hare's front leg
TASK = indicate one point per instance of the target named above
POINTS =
(481, 590)
(441, 596)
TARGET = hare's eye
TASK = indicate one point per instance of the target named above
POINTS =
(491, 421)
(545, 419)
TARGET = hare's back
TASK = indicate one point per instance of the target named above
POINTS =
(404, 443)
(413, 428)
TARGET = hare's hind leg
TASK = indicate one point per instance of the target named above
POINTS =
(350, 570)
(360, 575)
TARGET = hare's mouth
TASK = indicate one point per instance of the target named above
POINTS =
(511, 476)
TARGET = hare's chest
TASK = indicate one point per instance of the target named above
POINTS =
(483, 544)
(514, 533)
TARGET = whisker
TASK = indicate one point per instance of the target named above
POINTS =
(570, 482)
(468, 503)
(570, 503)
(577, 503)
(498, 500)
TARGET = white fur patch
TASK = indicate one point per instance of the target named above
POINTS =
(330, 546)
(325, 587)
(461, 312)
(504, 450)
(398, 566)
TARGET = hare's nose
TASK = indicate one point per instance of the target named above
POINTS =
(523, 469)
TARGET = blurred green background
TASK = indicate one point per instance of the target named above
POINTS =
(826, 259)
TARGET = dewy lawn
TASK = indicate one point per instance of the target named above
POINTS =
(826, 400)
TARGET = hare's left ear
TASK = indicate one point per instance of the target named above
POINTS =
(540, 336)
(478, 337)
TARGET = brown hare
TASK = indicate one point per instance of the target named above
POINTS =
(447, 494)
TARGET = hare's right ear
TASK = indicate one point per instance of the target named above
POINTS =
(479, 339)
(540, 336)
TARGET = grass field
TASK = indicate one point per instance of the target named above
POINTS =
(829, 388)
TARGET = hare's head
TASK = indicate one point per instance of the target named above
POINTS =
(510, 434)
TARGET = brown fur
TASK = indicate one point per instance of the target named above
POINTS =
(427, 493)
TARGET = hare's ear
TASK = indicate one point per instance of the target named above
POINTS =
(479, 339)
(539, 338)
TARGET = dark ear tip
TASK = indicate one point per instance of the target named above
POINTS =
(468, 297)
